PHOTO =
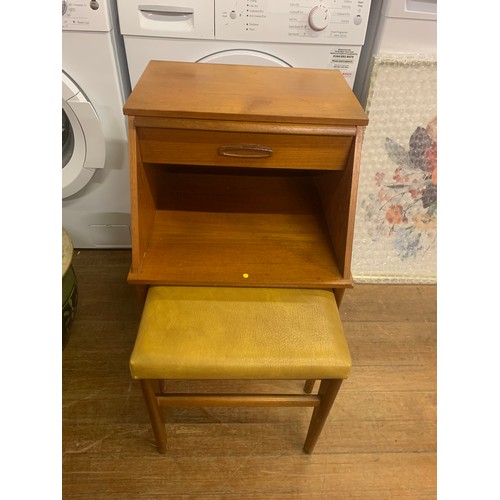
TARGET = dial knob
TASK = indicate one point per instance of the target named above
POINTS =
(319, 18)
(64, 7)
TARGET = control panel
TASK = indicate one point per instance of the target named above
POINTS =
(299, 21)
(325, 34)
(85, 15)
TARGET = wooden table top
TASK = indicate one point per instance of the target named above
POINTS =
(245, 93)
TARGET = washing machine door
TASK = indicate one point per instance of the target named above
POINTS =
(83, 145)
(248, 57)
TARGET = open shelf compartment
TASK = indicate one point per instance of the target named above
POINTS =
(235, 227)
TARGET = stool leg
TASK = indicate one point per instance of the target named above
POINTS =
(142, 293)
(309, 386)
(328, 390)
(339, 295)
(157, 424)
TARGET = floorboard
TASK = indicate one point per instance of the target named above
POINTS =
(379, 442)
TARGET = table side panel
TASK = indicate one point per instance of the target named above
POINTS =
(338, 194)
(142, 200)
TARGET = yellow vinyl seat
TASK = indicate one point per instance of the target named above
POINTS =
(219, 333)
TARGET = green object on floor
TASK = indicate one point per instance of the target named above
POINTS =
(69, 288)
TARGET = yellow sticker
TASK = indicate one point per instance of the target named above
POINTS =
(245, 275)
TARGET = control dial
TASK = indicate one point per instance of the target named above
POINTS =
(319, 18)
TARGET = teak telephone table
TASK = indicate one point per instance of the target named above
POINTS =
(243, 176)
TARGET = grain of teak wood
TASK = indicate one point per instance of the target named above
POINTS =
(243, 176)
(234, 92)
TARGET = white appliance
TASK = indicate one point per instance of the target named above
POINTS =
(95, 166)
(397, 28)
(304, 33)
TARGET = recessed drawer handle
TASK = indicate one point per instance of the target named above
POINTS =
(245, 151)
(162, 10)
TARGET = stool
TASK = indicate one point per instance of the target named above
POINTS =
(218, 333)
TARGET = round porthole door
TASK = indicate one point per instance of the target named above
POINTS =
(248, 57)
(83, 145)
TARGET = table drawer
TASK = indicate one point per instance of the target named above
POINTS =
(244, 149)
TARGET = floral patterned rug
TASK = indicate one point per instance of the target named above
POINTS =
(396, 220)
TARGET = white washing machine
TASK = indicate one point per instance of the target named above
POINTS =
(302, 33)
(397, 28)
(95, 165)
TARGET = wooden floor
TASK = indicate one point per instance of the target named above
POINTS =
(379, 442)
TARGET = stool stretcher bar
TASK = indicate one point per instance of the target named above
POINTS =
(237, 400)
